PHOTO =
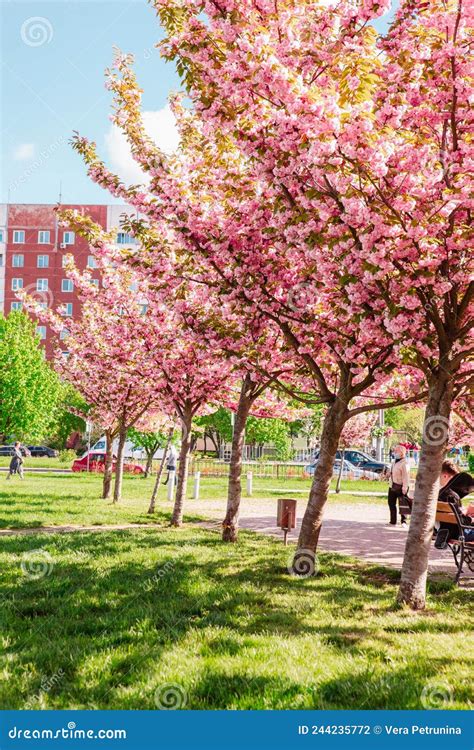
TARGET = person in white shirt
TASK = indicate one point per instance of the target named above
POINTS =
(399, 480)
(171, 464)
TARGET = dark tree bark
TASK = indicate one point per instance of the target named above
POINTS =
(341, 469)
(412, 589)
(159, 474)
(149, 461)
(336, 416)
(248, 394)
(119, 464)
(186, 442)
(107, 482)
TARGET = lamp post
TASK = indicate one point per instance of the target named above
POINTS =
(380, 437)
(88, 433)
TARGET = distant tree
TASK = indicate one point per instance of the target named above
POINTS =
(217, 427)
(274, 432)
(408, 420)
(29, 389)
(150, 442)
(70, 406)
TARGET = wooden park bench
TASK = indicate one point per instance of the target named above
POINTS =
(463, 551)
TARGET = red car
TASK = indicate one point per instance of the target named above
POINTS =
(97, 464)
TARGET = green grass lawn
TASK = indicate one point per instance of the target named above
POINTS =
(42, 463)
(57, 499)
(121, 615)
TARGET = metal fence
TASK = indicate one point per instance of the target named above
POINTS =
(260, 469)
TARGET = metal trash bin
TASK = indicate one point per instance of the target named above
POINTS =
(286, 515)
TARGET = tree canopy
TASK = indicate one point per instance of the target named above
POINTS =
(30, 390)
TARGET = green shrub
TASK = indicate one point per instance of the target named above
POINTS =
(67, 456)
(470, 462)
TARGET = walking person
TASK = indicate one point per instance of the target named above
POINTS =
(16, 464)
(171, 464)
(399, 481)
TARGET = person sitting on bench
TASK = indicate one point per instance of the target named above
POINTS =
(454, 485)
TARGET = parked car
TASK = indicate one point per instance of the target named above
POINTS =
(41, 451)
(7, 450)
(349, 471)
(97, 464)
(362, 461)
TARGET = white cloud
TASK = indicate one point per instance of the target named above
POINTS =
(160, 126)
(24, 151)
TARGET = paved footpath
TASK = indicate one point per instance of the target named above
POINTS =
(360, 530)
(356, 529)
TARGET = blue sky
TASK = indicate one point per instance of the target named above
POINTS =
(54, 55)
(52, 88)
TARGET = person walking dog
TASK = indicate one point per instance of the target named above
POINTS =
(399, 481)
(16, 464)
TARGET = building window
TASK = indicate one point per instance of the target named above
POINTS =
(41, 331)
(43, 261)
(41, 285)
(43, 305)
(18, 237)
(16, 305)
(67, 310)
(1, 261)
(69, 238)
(18, 261)
(91, 262)
(43, 237)
(64, 333)
(67, 285)
(124, 238)
(65, 354)
(17, 284)
(64, 260)
(95, 282)
(144, 309)
(1, 235)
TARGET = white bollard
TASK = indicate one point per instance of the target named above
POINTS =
(249, 484)
(171, 480)
(197, 483)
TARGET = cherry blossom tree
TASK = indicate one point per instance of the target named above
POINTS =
(376, 146)
(100, 355)
(186, 373)
(355, 432)
(324, 176)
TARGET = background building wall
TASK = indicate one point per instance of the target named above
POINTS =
(33, 219)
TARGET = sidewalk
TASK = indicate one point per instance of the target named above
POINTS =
(359, 530)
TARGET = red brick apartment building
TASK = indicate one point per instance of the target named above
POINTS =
(32, 249)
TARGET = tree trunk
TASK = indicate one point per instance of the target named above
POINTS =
(341, 469)
(412, 589)
(149, 463)
(234, 490)
(186, 440)
(159, 474)
(107, 483)
(119, 464)
(336, 417)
